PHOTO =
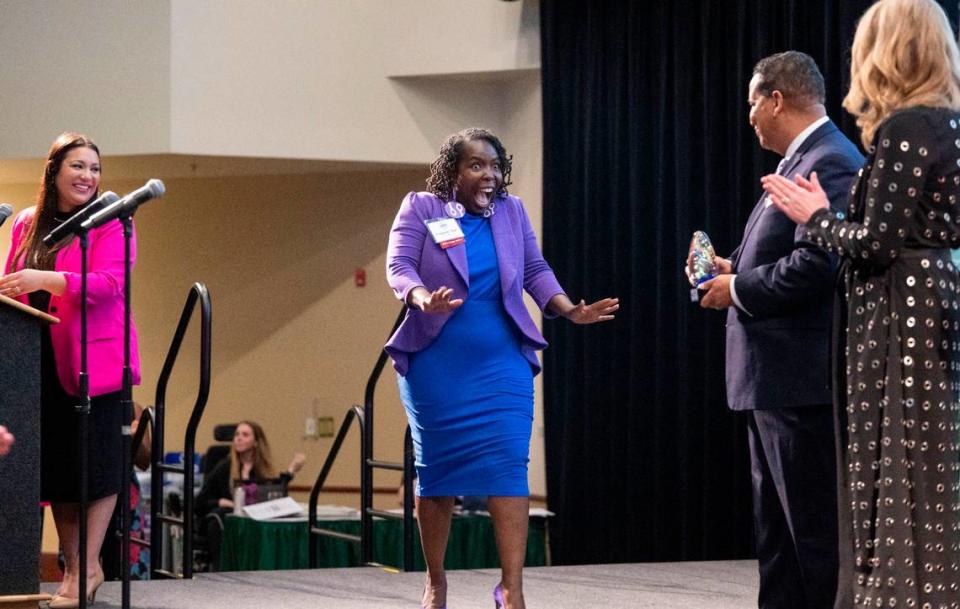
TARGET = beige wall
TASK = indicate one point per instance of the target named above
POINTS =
(95, 66)
(276, 240)
(314, 80)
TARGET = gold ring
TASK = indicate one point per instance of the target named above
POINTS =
(786, 200)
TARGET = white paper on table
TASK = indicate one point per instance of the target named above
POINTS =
(275, 508)
(336, 512)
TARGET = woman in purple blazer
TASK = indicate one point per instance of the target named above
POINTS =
(48, 278)
(460, 257)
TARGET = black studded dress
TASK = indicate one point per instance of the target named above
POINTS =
(898, 367)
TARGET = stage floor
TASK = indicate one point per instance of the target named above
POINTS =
(700, 585)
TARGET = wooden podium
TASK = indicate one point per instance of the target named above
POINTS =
(20, 470)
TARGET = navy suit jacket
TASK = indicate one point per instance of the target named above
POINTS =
(778, 355)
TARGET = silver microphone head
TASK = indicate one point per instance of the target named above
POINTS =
(5, 211)
(156, 187)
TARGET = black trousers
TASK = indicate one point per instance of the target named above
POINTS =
(794, 475)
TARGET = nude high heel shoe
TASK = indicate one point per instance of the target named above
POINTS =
(93, 584)
(65, 602)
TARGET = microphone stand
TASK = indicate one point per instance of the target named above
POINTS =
(83, 408)
(126, 403)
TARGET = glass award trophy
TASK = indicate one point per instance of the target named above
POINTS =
(701, 262)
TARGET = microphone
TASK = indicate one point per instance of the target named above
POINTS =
(127, 205)
(5, 210)
(72, 224)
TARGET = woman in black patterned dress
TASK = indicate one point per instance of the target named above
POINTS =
(898, 357)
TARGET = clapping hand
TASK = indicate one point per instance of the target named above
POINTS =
(797, 200)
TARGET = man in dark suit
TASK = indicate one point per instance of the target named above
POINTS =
(777, 288)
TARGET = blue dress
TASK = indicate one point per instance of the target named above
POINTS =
(469, 394)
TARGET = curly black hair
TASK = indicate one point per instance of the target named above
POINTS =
(443, 171)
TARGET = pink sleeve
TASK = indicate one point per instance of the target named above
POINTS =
(105, 266)
(16, 237)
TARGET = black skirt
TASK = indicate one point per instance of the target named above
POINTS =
(60, 434)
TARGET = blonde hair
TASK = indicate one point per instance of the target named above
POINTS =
(903, 55)
(262, 463)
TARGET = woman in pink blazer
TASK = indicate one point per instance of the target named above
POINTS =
(48, 278)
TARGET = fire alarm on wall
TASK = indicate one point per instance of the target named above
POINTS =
(360, 277)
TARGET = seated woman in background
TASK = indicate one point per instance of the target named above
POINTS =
(249, 461)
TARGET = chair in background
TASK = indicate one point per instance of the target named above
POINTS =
(209, 529)
(217, 452)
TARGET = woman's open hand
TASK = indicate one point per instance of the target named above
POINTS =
(438, 301)
(602, 310)
(797, 200)
(297, 463)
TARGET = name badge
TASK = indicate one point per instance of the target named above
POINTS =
(445, 232)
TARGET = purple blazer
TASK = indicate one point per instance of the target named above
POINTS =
(413, 259)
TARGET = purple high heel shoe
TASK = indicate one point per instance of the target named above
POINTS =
(498, 597)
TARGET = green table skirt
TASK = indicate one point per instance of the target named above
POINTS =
(249, 545)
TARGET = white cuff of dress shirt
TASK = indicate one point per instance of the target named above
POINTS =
(733, 295)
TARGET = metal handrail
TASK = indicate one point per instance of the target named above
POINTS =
(146, 419)
(364, 418)
(119, 532)
(355, 413)
(198, 293)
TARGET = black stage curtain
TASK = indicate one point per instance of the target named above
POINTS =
(646, 140)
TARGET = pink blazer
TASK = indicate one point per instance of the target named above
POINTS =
(104, 308)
